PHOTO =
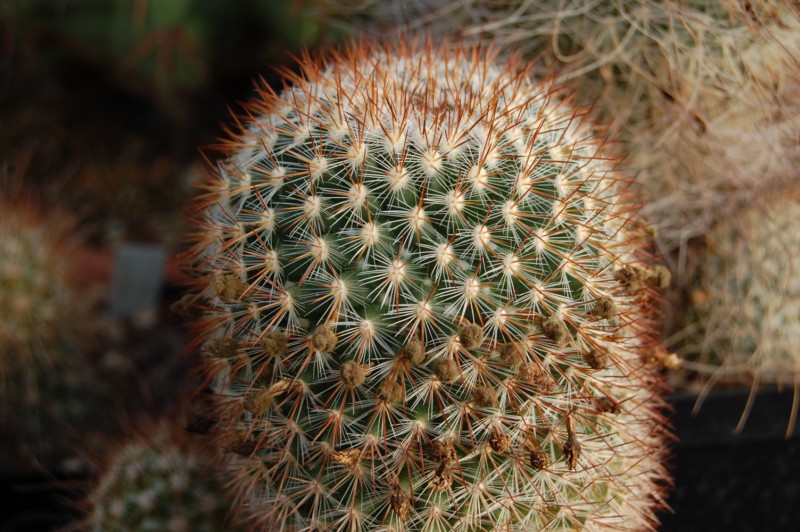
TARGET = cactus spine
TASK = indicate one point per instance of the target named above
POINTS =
(426, 303)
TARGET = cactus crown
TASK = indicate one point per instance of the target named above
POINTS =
(414, 261)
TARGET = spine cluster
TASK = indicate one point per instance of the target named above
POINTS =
(427, 303)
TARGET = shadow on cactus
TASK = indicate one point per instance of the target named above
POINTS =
(427, 303)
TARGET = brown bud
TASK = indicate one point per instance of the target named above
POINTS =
(400, 503)
(222, 347)
(485, 396)
(572, 450)
(538, 458)
(324, 339)
(442, 451)
(632, 276)
(498, 440)
(352, 374)
(275, 343)
(635, 277)
(390, 391)
(258, 401)
(529, 373)
(596, 359)
(471, 336)
(556, 330)
(348, 457)
(608, 405)
(604, 308)
(414, 352)
(442, 479)
(510, 354)
(663, 358)
(229, 287)
(660, 277)
(538, 377)
(446, 369)
(245, 448)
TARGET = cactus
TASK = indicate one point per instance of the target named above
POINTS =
(157, 481)
(747, 299)
(45, 328)
(427, 303)
(703, 94)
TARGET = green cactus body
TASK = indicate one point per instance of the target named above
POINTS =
(157, 481)
(45, 331)
(426, 307)
(747, 298)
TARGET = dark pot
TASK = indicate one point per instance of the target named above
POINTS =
(726, 481)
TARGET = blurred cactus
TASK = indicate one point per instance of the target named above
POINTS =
(427, 303)
(166, 49)
(157, 481)
(46, 328)
(704, 94)
(747, 297)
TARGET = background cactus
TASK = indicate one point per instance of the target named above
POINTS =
(45, 328)
(157, 481)
(747, 299)
(427, 303)
(702, 93)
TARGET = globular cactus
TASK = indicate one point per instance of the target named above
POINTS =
(159, 480)
(704, 95)
(45, 328)
(747, 298)
(427, 303)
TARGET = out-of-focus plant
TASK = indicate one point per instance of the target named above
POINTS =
(746, 298)
(47, 330)
(159, 479)
(167, 49)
